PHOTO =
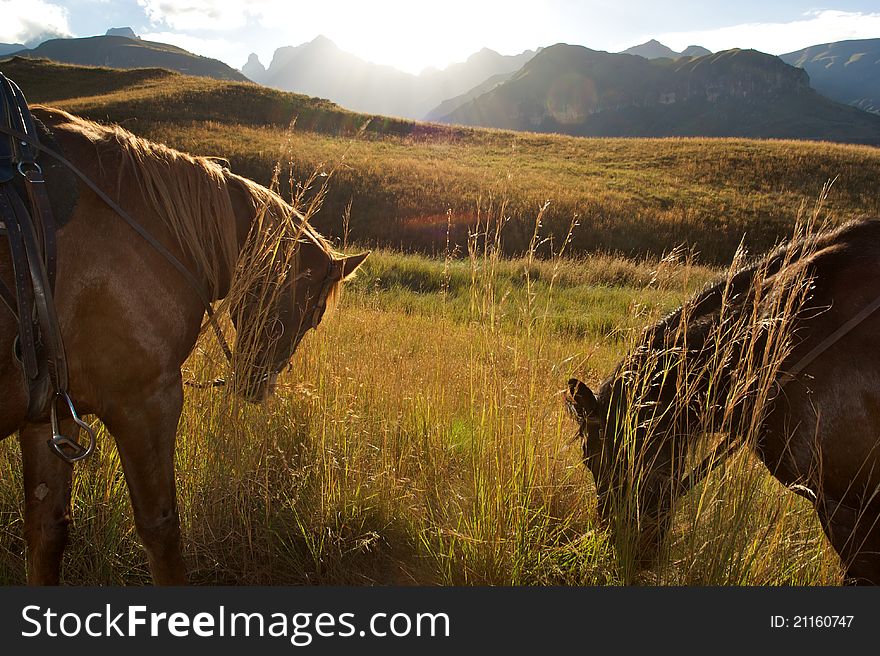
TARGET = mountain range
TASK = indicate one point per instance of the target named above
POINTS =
(648, 90)
(846, 71)
(574, 90)
(320, 68)
(9, 48)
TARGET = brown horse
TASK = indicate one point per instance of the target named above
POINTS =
(129, 319)
(782, 357)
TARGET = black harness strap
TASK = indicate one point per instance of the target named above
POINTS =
(27, 343)
(44, 222)
(44, 306)
(33, 251)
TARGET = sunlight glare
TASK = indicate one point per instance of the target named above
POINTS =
(414, 35)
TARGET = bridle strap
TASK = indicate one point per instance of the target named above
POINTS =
(790, 374)
(334, 275)
(138, 228)
(27, 346)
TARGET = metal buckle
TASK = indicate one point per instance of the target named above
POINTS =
(58, 440)
(35, 167)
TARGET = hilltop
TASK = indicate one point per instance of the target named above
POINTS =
(129, 52)
(409, 183)
(653, 49)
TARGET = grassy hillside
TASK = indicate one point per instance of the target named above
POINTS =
(407, 182)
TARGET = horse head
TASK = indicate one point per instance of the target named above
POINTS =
(286, 278)
(628, 448)
(272, 319)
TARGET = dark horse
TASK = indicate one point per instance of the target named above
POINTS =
(129, 319)
(806, 399)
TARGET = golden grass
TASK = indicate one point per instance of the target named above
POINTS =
(419, 443)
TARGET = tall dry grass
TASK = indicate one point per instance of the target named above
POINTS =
(420, 438)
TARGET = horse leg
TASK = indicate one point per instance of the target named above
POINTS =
(145, 431)
(47, 480)
(855, 536)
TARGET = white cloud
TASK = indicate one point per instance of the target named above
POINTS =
(815, 27)
(213, 15)
(233, 53)
(31, 21)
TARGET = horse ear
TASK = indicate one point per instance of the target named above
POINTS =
(581, 399)
(349, 265)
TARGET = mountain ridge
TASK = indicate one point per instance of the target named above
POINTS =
(735, 93)
(126, 52)
(653, 49)
(320, 68)
(845, 71)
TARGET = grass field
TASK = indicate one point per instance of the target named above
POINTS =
(420, 435)
(420, 438)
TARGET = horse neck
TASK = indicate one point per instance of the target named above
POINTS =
(247, 211)
(671, 380)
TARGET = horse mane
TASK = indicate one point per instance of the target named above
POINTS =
(187, 193)
(708, 301)
(735, 295)
(191, 195)
(268, 203)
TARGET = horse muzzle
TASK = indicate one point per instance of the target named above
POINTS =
(259, 389)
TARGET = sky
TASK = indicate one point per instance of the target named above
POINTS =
(412, 35)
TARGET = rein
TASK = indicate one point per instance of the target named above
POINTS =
(827, 343)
